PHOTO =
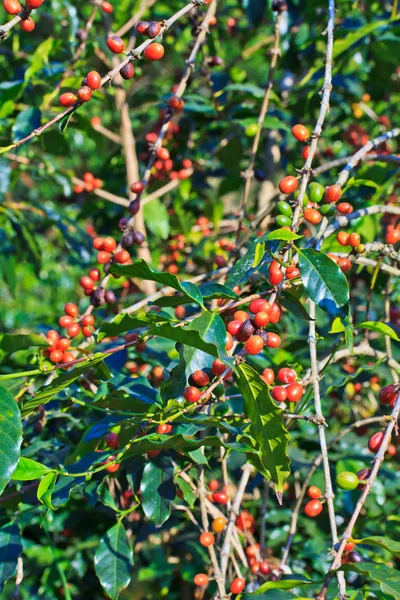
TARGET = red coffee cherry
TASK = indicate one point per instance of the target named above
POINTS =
(294, 392)
(13, 7)
(344, 264)
(112, 440)
(192, 394)
(74, 330)
(56, 356)
(109, 244)
(94, 274)
(388, 395)
(127, 71)
(305, 152)
(275, 313)
(354, 240)
(111, 468)
(122, 257)
(311, 215)
(141, 27)
(344, 208)
(88, 321)
(273, 340)
(153, 29)
(228, 341)
(301, 133)
(200, 580)
(279, 393)
(84, 94)
(93, 79)
(115, 44)
(220, 497)
(63, 344)
(137, 187)
(28, 24)
(261, 319)
(333, 193)
(237, 585)
(343, 238)
(32, 4)
(103, 257)
(314, 492)
(240, 315)
(68, 357)
(154, 52)
(392, 237)
(65, 321)
(164, 428)
(275, 274)
(254, 344)
(107, 7)
(288, 185)
(233, 327)
(176, 103)
(67, 99)
(258, 305)
(71, 309)
(163, 153)
(218, 367)
(313, 508)
(375, 441)
(268, 376)
(264, 567)
(287, 375)
(200, 378)
(207, 539)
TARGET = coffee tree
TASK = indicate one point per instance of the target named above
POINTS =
(200, 302)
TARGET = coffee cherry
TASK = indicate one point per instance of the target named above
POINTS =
(28, 24)
(122, 257)
(362, 475)
(347, 480)
(228, 342)
(261, 319)
(355, 557)
(354, 240)
(127, 71)
(88, 321)
(273, 340)
(56, 356)
(138, 238)
(13, 7)
(240, 315)
(305, 152)
(74, 330)
(84, 94)
(313, 508)
(52, 337)
(268, 376)
(200, 580)
(68, 357)
(71, 309)
(32, 4)
(111, 468)
(67, 99)
(294, 392)
(349, 547)
(343, 238)
(95, 121)
(287, 375)
(314, 492)
(107, 7)
(200, 378)
(254, 344)
(392, 237)
(65, 321)
(237, 585)
(141, 27)
(153, 29)
(93, 79)
(94, 274)
(375, 441)
(176, 103)
(207, 539)
(344, 264)
(112, 440)
(258, 305)
(279, 393)
(315, 192)
(275, 274)
(233, 327)
(344, 208)
(220, 497)
(311, 215)
(63, 344)
(163, 153)
(218, 367)
(192, 394)
(218, 525)
(333, 193)
(154, 52)
(388, 395)
(251, 130)
(288, 185)
(164, 428)
(246, 330)
(115, 44)
(301, 133)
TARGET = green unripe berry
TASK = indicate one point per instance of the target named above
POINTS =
(283, 221)
(328, 210)
(284, 208)
(316, 192)
(251, 130)
(219, 390)
(306, 199)
(347, 480)
(221, 409)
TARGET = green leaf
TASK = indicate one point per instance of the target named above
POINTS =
(283, 234)
(337, 326)
(243, 268)
(188, 494)
(380, 328)
(293, 305)
(10, 437)
(387, 578)
(157, 218)
(266, 425)
(258, 254)
(26, 121)
(158, 490)
(140, 269)
(382, 542)
(10, 343)
(359, 182)
(113, 561)
(324, 282)
(28, 470)
(10, 550)
(47, 392)
(212, 330)
(64, 122)
(288, 583)
(209, 291)
(45, 489)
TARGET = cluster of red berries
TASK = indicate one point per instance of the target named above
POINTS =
(256, 563)
(90, 83)
(73, 324)
(13, 7)
(276, 275)
(58, 348)
(292, 391)
(250, 330)
(392, 234)
(107, 250)
(347, 239)
(90, 183)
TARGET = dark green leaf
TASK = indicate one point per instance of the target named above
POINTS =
(387, 578)
(381, 541)
(293, 305)
(26, 121)
(158, 490)
(10, 343)
(113, 561)
(10, 437)
(10, 550)
(243, 269)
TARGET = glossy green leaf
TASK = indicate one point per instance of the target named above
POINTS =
(45, 489)
(359, 182)
(209, 291)
(383, 542)
(294, 306)
(387, 578)
(10, 437)
(113, 561)
(379, 327)
(10, 343)
(324, 282)
(157, 218)
(188, 494)
(288, 582)
(266, 425)
(258, 254)
(140, 269)
(10, 550)
(243, 268)
(158, 490)
(283, 234)
(29, 470)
